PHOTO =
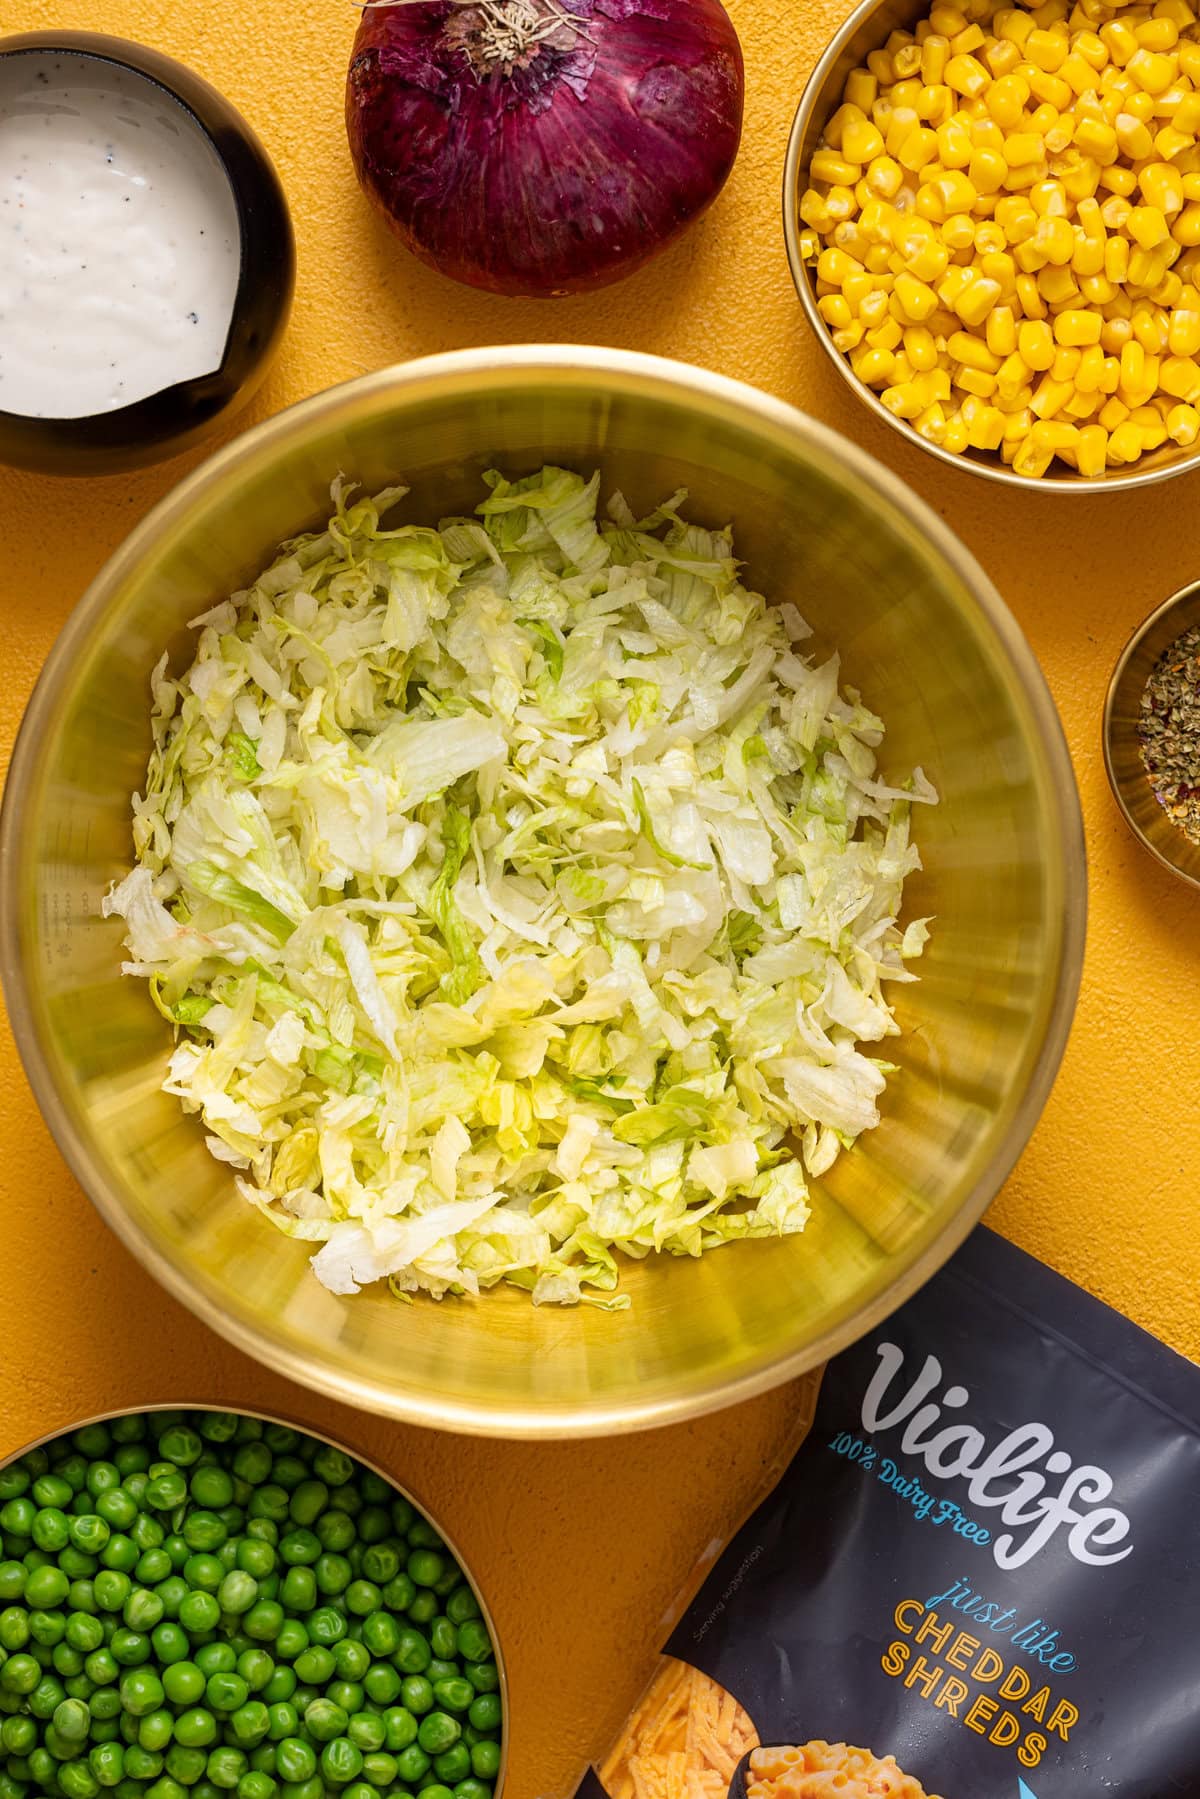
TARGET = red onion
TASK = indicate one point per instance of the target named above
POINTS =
(540, 147)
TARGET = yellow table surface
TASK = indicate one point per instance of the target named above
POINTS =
(581, 1547)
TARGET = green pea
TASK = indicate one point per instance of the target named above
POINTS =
(256, 1668)
(255, 1557)
(45, 1587)
(438, 1731)
(472, 1789)
(399, 1593)
(289, 1471)
(117, 1509)
(453, 1764)
(226, 1767)
(256, 1786)
(281, 1686)
(401, 1728)
(107, 1762)
(75, 1564)
(72, 1720)
(17, 1516)
(204, 1571)
(424, 1608)
(483, 1676)
(142, 1764)
(84, 1632)
(250, 1723)
(166, 1491)
(270, 1501)
(153, 1565)
(341, 1762)
(217, 1427)
(315, 1666)
(360, 1789)
(324, 1720)
(381, 1683)
(47, 1628)
(203, 1532)
(462, 1605)
(417, 1694)
(14, 1624)
(295, 1760)
(454, 1694)
(143, 1610)
(308, 1501)
(51, 1528)
(89, 1533)
(346, 1693)
(351, 1659)
(299, 1546)
(111, 1589)
(412, 1764)
(412, 1654)
(195, 1728)
(335, 1529)
(326, 1625)
(293, 1637)
(333, 1573)
(186, 1765)
(131, 1648)
(381, 1563)
(264, 1620)
(156, 1729)
(199, 1611)
(379, 1768)
(183, 1683)
(141, 1691)
(105, 1703)
(363, 1598)
(486, 1711)
(367, 1731)
(299, 1589)
(20, 1674)
(374, 1524)
(282, 1720)
(226, 1692)
(180, 1445)
(443, 1639)
(76, 1781)
(485, 1760)
(237, 1592)
(332, 1466)
(120, 1552)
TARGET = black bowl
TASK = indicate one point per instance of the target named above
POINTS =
(178, 416)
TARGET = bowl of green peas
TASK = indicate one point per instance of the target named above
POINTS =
(196, 1604)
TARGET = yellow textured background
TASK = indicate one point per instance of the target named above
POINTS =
(580, 1548)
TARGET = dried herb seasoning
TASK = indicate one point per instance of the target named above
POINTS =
(1169, 731)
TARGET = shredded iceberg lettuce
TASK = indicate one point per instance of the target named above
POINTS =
(520, 894)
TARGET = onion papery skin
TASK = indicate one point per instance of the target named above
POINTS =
(554, 178)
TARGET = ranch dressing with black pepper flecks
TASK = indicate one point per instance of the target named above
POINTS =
(120, 248)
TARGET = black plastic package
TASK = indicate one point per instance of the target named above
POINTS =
(978, 1579)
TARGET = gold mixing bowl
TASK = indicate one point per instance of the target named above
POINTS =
(868, 28)
(398, 1487)
(921, 632)
(1123, 763)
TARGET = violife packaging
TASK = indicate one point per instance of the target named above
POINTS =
(978, 1579)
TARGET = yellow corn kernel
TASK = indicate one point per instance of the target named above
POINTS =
(954, 145)
(1162, 188)
(1133, 137)
(1058, 286)
(835, 310)
(921, 348)
(1082, 406)
(915, 150)
(856, 289)
(1081, 179)
(1152, 426)
(952, 284)
(916, 300)
(990, 240)
(862, 90)
(955, 191)
(1066, 364)
(1047, 49)
(875, 368)
(1125, 443)
(1186, 228)
(972, 353)
(850, 338)
(1055, 435)
(988, 171)
(1077, 330)
(886, 335)
(1133, 371)
(1001, 331)
(1186, 117)
(1183, 425)
(958, 233)
(974, 381)
(1092, 48)
(1032, 459)
(1180, 377)
(1090, 372)
(1153, 71)
(1169, 292)
(1091, 451)
(1157, 34)
(1096, 290)
(834, 266)
(1147, 267)
(955, 439)
(904, 400)
(1183, 337)
(1033, 306)
(842, 203)
(935, 53)
(1051, 90)
(1024, 148)
(827, 165)
(1119, 40)
(1170, 142)
(966, 76)
(976, 302)
(1098, 140)
(815, 212)
(1016, 218)
(1035, 341)
(985, 430)
(1049, 200)
(1116, 259)
(1140, 105)
(1088, 257)
(1056, 239)
(880, 65)
(932, 423)
(862, 142)
(1113, 413)
(1050, 397)
(998, 265)
(1078, 74)
(1012, 378)
(1119, 180)
(873, 308)
(1006, 100)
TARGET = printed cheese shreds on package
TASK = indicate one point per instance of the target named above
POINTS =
(978, 1579)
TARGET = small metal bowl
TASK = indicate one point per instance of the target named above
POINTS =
(1127, 774)
(177, 416)
(402, 1492)
(867, 29)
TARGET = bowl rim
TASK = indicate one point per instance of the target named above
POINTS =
(1112, 734)
(369, 1463)
(813, 93)
(682, 383)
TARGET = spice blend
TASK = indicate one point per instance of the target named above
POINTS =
(1169, 731)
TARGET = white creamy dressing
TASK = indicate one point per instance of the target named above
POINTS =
(120, 248)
